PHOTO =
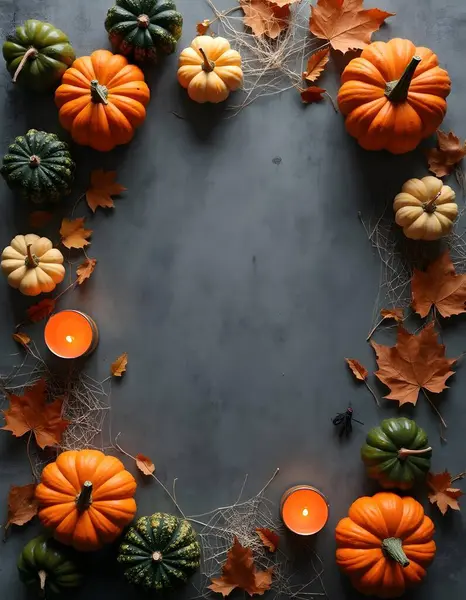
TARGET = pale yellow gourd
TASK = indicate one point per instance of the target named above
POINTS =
(425, 208)
(209, 69)
(32, 264)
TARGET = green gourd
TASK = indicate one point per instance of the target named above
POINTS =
(160, 552)
(397, 453)
(37, 55)
(38, 167)
(46, 565)
(144, 29)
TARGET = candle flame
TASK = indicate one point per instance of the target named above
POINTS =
(305, 512)
(69, 339)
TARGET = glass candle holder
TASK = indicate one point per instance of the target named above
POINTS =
(304, 510)
(71, 334)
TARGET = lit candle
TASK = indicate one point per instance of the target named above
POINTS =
(304, 510)
(71, 334)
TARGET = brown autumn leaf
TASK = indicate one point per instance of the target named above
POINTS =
(85, 270)
(316, 64)
(103, 187)
(416, 362)
(450, 152)
(282, 3)
(73, 234)
(392, 313)
(22, 504)
(202, 27)
(440, 287)
(39, 219)
(144, 464)
(268, 537)
(22, 338)
(119, 366)
(345, 24)
(358, 370)
(265, 18)
(239, 571)
(41, 310)
(312, 94)
(443, 495)
(32, 412)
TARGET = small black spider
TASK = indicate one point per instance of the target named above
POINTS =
(345, 420)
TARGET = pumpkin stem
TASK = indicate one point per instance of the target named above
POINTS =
(143, 21)
(208, 65)
(30, 54)
(157, 556)
(99, 93)
(397, 90)
(405, 452)
(84, 498)
(42, 577)
(430, 206)
(34, 161)
(31, 259)
(393, 548)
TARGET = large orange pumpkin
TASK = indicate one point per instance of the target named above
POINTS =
(102, 100)
(87, 499)
(385, 544)
(393, 96)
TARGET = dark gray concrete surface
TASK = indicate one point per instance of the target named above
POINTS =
(237, 286)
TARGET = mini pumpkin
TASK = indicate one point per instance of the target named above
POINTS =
(209, 69)
(385, 544)
(425, 208)
(32, 264)
(86, 498)
(393, 95)
(102, 100)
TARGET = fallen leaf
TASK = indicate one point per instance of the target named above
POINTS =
(41, 310)
(345, 24)
(22, 504)
(202, 27)
(119, 366)
(312, 94)
(416, 362)
(239, 571)
(144, 464)
(440, 287)
(32, 412)
(22, 338)
(103, 187)
(358, 370)
(316, 64)
(85, 270)
(265, 18)
(73, 233)
(282, 3)
(450, 152)
(268, 537)
(39, 219)
(442, 493)
(392, 313)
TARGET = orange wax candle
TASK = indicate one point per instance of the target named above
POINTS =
(71, 334)
(304, 510)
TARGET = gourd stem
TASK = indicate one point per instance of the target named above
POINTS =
(143, 21)
(31, 52)
(42, 577)
(99, 92)
(430, 205)
(31, 260)
(208, 65)
(157, 556)
(84, 499)
(397, 90)
(393, 548)
(404, 452)
(34, 161)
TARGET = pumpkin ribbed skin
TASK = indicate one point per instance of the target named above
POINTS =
(385, 544)
(38, 167)
(397, 453)
(87, 499)
(160, 552)
(47, 50)
(47, 567)
(102, 100)
(415, 110)
(144, 29)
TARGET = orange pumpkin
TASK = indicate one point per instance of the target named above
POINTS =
(86, 497)
(102, 100)
(393, 96)
(385, 544)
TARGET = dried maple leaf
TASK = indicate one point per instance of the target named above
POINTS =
(316, 64)
(442, 493)
(73, 234)
(312, 94)
(103, 187)
(22, 338)
(358, 370)
(41, 310)
(32, 412)
(144, 464)
(39, 219)
(85, 270)
(417, 361)
(282, 3)
(22, 504)
(268, 537)
(202, 27)
(265, 18)
(450, 152)
(345, 24)
(119, 366)
(392, 313)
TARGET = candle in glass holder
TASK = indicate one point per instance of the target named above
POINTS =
(71, 334)
(304, 510)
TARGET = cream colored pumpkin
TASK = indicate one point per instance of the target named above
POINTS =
(425, 208)
(32, 264)
(209, 69)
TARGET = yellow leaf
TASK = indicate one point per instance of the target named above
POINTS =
(119, 366)
(103, 187)
(316, 64)
(73, 233)
(85, 270)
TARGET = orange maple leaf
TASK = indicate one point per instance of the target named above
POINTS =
(450, 152)
(416, 362)
(85, 270)
(103, 187)
(41, 310)
(392, 313)
(22, 504)
(73, 234)
(202, 27)
(282, 3)
(345, 24)
(144, 464)
(268, 537)
(32, 412)
(119, 366)
(39, 219)
(358, 370)
(265, 18)
(22, 338)
(312, 94)
(316, 64)
(442, 493)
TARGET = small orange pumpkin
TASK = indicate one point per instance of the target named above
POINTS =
(393, 96)
(87, 499)
(102, 100)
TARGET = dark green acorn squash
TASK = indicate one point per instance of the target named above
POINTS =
(38, 54)
(39, 167)
(144, 29)
(46, 565)
(160, 552)
(397, 453)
